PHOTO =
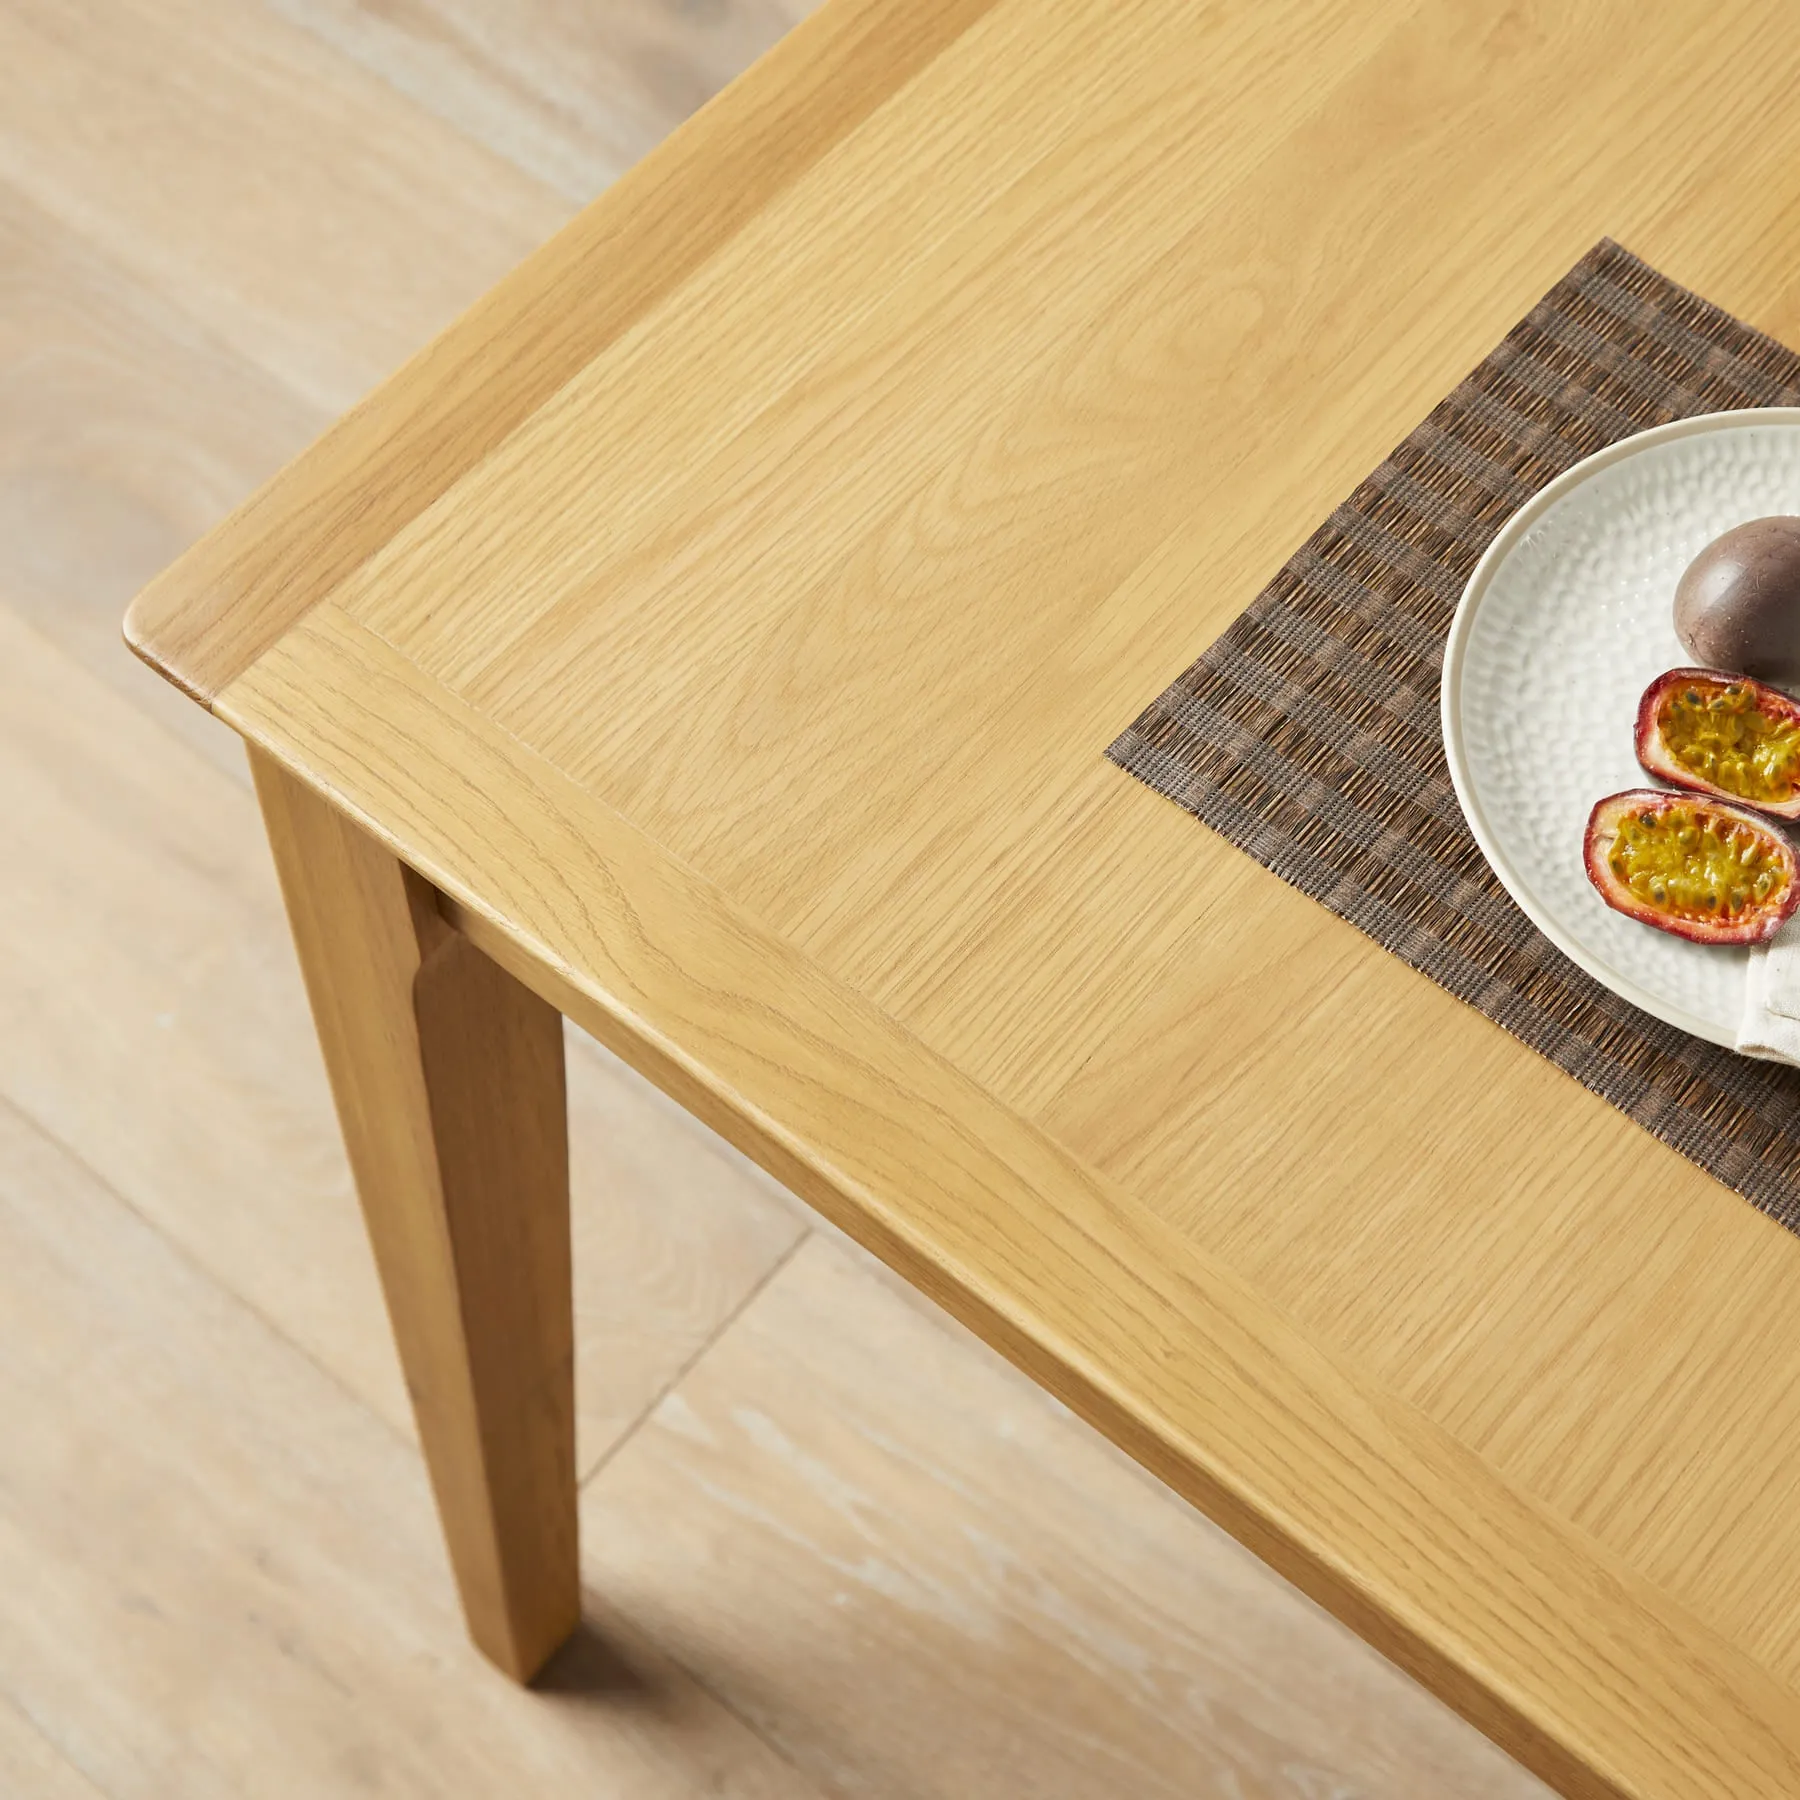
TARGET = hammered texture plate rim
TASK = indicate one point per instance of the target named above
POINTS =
(1450, 692)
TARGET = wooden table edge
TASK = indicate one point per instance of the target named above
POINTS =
(1589, 1675)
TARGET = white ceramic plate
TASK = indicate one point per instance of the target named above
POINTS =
(1565, 622)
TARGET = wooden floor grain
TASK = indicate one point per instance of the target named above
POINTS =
(832, 1546)
(126, 430)
(299, 208)
(573, 95)
(222, 1573)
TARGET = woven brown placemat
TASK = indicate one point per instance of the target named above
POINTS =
(1308, 734)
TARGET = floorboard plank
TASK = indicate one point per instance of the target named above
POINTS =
(223, 1578)
(301, 209)
(126, 430)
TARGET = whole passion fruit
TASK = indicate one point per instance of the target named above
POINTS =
(1723, 735)
(1737, 606)
(1709, 872)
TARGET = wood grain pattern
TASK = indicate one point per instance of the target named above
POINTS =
(978, 227)
(790, 1525)
(448, 1077)
(1610, 1687)
(222, 1573)
(833, 567)
(233, 594)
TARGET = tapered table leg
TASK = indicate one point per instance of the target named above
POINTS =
(448, 1077)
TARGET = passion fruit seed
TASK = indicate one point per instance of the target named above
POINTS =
(1721, 735)
(1686, 863)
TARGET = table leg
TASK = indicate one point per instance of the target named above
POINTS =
(448, 1077)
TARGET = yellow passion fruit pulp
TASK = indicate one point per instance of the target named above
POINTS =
(1726, 738)
(1724, 735)
(1699, 868)
(1705, 868)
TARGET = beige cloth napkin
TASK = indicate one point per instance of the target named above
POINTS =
(1770, 1023)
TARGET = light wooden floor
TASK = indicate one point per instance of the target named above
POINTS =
(833, 1546)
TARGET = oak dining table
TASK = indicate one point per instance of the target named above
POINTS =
(714, 637)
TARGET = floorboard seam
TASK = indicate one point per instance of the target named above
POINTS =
(191, 1262)
(15, 1706)
(692, 1362)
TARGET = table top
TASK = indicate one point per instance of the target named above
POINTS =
(730, 614)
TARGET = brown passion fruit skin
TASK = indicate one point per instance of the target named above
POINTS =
(1737, 606)
(1726, 735)
(1726, 836)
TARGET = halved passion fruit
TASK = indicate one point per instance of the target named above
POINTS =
(1699, 868)
(1725, 735)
